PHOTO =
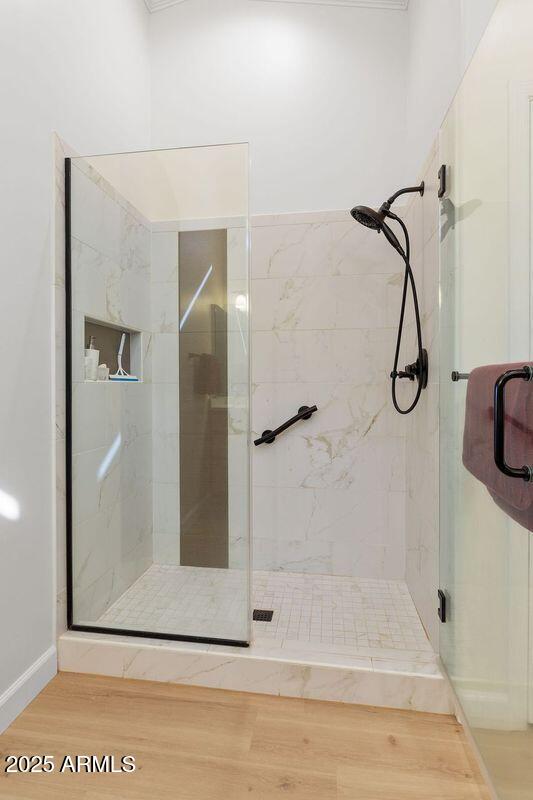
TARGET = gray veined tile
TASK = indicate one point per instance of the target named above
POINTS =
(326, 303)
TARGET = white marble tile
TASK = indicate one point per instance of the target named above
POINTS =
(166, 548)
(353, 528)
(165, 308)
(326, 303)
(95, 216)
(184, 600)
(368, 687)
(164, 257)
(86, 166)
(128, 295)
(166, 457)
(245, 672)
(368, 559)
(112, 491)
(90, 268)
(355, 356)
(332, 461)
(329, 248)
(166, 408)
(165, 364)
(90, 603)
(146, 351)
(408, 667)
(166, 509)
(90, 429)
(96, 486)
(298, 218)
(362, 409)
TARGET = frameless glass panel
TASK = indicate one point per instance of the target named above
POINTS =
(486, 320)
(159, 533)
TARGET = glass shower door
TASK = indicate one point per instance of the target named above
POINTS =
(485, 563)
(158, 381)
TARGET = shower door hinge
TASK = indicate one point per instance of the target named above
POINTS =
(441, 611)
(442, 181)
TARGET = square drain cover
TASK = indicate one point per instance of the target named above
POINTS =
(260, 615)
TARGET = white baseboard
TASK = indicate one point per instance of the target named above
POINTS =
(27, 687)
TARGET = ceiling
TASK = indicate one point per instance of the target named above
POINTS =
(393, 5)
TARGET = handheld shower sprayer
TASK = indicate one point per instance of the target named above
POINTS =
(376, 220)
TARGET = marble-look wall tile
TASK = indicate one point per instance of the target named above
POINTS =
(326, 303)
(238, 371)
(112, 423)
(316, 356)
(327, 248)
(422, 448)
(165, 359)
(329, 496)
(165, 376)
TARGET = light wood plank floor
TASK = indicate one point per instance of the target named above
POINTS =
(208, 744)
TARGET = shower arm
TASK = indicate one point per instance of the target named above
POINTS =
(409, 190)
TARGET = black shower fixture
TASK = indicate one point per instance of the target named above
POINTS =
(376, 220)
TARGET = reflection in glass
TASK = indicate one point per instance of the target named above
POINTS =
(486, 320)
(159, 425)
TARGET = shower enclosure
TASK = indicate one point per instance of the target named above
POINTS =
(486, 319)
(158, 507)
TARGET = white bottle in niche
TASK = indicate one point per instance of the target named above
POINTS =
(92, 358)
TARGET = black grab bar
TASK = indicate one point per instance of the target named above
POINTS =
(304, 412)
(525, 472)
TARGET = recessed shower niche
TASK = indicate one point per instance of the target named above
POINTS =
(118, 352)
(157, 458)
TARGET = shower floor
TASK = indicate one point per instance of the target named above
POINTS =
(316, 617)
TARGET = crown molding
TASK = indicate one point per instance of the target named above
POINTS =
(391, 5)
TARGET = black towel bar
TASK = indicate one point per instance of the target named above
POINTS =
(526, 472)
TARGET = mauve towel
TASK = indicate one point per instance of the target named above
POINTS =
(512, 495)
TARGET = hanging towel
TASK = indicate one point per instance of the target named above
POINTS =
(512, 495)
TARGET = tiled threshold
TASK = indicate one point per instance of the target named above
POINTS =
(288, 669)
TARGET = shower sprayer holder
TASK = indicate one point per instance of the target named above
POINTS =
(416, 371)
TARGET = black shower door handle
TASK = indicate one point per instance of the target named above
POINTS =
(304, 412)
(525, 472)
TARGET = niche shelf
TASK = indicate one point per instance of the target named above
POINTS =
(107, 338)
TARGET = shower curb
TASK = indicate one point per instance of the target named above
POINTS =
(221, 668)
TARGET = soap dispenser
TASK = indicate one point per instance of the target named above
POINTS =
(92, 358)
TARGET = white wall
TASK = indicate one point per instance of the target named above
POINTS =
(443, 35)
(81, 68)
(319, 91)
